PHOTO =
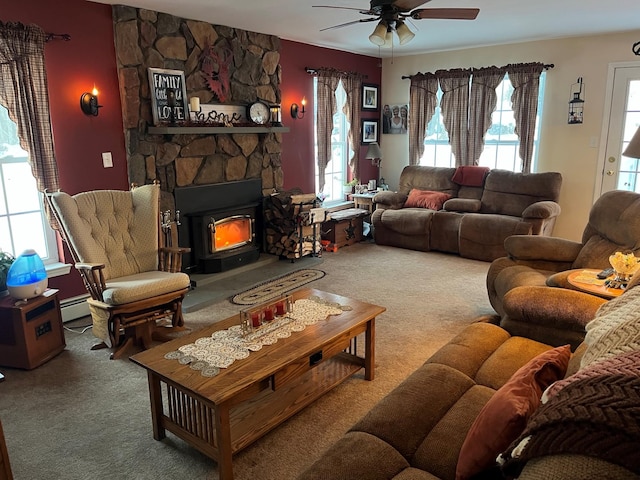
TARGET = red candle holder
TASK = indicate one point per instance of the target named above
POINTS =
(281, 308)
(268, 313)
(256, 318)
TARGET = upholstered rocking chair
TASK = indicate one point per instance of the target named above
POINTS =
(118, 246)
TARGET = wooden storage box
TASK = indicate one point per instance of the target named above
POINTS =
(344, 228)
(31, 332)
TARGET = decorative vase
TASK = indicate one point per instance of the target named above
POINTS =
(625, 265)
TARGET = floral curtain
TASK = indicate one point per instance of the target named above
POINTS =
(455, 109)
(525, 79)
(482, 103)
(422, 105)
(23, 90)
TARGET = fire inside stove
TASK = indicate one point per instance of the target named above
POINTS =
(230, 232)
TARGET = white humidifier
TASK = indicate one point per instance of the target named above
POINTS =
(27, 277)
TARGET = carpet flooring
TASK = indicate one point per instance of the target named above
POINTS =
(83, 416)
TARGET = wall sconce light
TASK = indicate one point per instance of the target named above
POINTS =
(89, 103)
(297, 112)
(276, 115)
(576, 104)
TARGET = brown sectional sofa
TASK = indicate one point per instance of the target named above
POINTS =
(417, 431)
(477, 218)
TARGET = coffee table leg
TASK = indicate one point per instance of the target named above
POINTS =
(370, 350)
(223, 436)
(155, 394)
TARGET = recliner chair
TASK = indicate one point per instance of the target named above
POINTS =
(133, 279)
(536, 261)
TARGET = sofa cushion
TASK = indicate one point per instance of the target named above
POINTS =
(509, 193)
(573, 467)
(504, 417)
(426, 199)
(470, 205)
(428, 178)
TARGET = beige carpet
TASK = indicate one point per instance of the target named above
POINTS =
(83, 416)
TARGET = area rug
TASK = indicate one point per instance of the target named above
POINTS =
(276, 287)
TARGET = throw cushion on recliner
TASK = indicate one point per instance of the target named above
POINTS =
(426, 199)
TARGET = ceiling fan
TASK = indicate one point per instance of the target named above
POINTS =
(391, 15)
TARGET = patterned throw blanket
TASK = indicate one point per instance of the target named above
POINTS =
(597, 414)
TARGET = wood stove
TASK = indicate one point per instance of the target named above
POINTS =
(222, 223)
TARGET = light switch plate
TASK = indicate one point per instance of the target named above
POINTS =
(107, 160)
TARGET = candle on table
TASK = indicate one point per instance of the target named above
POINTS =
(280, 308)
(256, 319)
(268, 314)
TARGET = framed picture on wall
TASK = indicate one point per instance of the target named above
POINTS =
(369, 97)
(395, 118)
(369, 131)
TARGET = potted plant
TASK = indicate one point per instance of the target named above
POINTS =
(6, 259)
(348, 187)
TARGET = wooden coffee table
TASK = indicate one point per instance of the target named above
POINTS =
(223, 414)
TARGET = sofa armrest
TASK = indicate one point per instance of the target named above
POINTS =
(392, 200)
(544, 209)
(555, 249)
(467, 205)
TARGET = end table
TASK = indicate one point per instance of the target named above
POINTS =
(31, 331)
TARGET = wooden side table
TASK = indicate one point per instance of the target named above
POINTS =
(31, 331)
(585, 280)
(364, 201)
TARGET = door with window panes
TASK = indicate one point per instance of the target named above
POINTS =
(619, 172)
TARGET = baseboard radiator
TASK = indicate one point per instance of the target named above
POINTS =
(74, 307)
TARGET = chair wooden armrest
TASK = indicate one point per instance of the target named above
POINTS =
(93, 277)
(170, 258)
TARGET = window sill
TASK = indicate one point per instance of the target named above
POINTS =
(57, 269)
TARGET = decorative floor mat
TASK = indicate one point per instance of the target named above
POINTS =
(277, 287)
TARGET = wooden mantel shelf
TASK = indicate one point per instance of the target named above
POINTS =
(213, 130)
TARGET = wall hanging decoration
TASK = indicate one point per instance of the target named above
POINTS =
(369, 131)
(215, 62)
(395, 118)
(576, 104)
(369, 97)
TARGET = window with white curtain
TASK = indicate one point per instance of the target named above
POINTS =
(336, 172)
(501, 142)
(23, 224)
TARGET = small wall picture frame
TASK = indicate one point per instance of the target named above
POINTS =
(370, 97)
(369, 131)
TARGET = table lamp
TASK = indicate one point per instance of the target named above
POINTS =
(375, 155)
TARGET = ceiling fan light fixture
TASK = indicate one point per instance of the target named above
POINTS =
(388, 38)
(379, 34)
(405, 35)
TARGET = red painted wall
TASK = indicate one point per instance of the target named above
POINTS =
(73, 68)
(297, 145)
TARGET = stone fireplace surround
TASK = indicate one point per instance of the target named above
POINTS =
(144, 39)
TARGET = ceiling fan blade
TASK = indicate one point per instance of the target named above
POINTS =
(364, 12)
(407, 5)
(445, 13)
(350, 23)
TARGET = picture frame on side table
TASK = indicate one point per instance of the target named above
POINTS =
(369, 131)
(370, 97)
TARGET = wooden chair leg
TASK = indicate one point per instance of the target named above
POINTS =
(122, 349)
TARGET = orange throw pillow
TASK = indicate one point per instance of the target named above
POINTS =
(505, 415)
(426, 199)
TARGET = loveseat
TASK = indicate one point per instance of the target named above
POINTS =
(465, 210)
(481, 395)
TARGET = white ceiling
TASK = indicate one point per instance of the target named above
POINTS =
(499, 21)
